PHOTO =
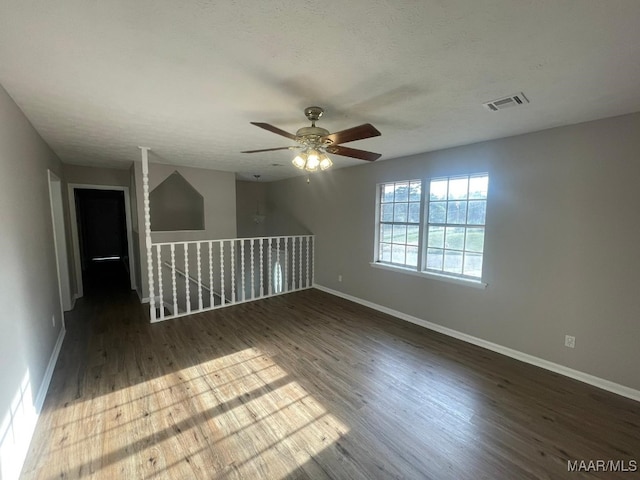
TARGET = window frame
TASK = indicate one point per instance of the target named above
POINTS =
(379, 222)
(421, 269)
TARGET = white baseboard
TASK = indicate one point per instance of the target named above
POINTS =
(509, 352)
(48, 374)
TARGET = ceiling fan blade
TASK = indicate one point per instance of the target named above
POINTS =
(354, 153)
(360, 132)
(275, 130)
(266, 150)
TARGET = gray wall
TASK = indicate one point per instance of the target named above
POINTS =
(28, 279)
(219, 192)
(560, 252)
(248, 196)
(119, 177)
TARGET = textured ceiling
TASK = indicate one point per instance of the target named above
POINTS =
(99, 78)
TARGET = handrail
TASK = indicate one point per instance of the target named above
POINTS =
(181, 242)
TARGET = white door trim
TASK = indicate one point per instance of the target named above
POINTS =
(60, 242)
(76, 239)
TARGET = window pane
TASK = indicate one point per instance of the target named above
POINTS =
(385, 233)
(402, 192)
(415, 191)
(434, 258)
(397, 254)
(473, 264)
(458, 188)
(436, 237)
(412, 256)
(387, 193)
(438, 189)
(477, 212)
(400, 212)
(478, 186)
(384, 254)
(399, 234)
(454, 238)
(413, 235)
(386, 212)
(456, 212)
(437, 212)
(452, 261)
(475, 240)
(414, 213)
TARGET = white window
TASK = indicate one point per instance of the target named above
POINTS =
(399, 222)
(441, 232)
(455, 225)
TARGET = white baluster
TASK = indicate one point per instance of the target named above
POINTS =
(233, 271)
(222, 298)
(313, 259)
(278, 263)
(300, 261)
(199, 276)
(210, 274)
(286, 264)
(253, 293)
(186, 276)
(173, 279)
(160, 293)
(242, 296)
(261, 267)
(307, 283)
(293, 263)
(269, 269)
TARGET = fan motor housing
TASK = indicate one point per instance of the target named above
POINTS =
(311, 134)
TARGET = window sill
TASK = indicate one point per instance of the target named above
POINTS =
(443, 278)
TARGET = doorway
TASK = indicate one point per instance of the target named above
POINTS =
(101, 231)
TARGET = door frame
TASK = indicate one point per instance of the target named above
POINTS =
(76, 239)
(56, 201)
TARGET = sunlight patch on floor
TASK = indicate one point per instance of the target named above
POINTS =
(237, 415)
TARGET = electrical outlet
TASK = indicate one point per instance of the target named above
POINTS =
(570, 341)
(53, 320)
(339, 278)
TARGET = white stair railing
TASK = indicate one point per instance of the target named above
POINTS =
(211, 274)
(216, 264)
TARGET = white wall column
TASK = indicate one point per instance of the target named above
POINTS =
(147, 230)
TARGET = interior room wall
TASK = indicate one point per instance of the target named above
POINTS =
(119, 177)
(28, 280)
(560, 249)
(250, 198)
(219, 192)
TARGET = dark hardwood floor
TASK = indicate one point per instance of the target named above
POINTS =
(308, 385)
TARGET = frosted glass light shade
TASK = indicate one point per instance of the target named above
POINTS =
(313, 161)
(299, 161)
(325, 162)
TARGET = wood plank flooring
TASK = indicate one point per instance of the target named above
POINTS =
(309, 386)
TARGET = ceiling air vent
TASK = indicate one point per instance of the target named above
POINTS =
(506, 102)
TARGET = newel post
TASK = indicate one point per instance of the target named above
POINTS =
(147, 230)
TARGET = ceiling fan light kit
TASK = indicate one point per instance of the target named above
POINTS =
(316, 142)
(310, 160)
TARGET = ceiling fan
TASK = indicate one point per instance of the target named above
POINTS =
(315, 142)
